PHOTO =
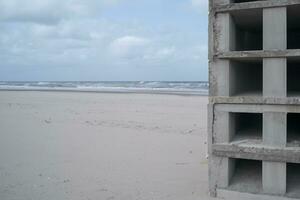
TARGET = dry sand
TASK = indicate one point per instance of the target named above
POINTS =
(80, 146)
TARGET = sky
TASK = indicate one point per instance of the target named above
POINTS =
(103, 40)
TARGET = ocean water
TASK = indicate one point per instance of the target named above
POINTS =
(176, 87)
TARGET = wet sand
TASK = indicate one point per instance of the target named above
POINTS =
(100, 146)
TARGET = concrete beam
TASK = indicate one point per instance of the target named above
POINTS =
(238, 108)
(240, 55)
(235, 195)
(257, 152)
(254, 100)
(254, 5)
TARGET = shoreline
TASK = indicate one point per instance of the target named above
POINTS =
(129, 91)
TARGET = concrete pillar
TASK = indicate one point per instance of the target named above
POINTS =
(274, 85)
(274, 77)
(274, 178)
(226, 30)
(224, 121)
(226, 42)
(274, 134)
(225, 166)
(274, 38)
(274, 28)
(274, 129)
(221, 76)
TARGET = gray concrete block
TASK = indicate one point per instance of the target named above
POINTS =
(224, 124)
(219, 75)
(225, 32)
(274, 129)
(274, 178)
(274, 77)
(274, 28)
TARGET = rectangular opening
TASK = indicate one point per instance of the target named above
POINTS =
(246, 176)
(293, 74)
(293, 129)
(293, 27)
(293, 180)
(246, 78)
(246, 30)
(246, 127)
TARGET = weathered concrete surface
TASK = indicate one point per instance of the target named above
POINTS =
(258, 100)
(290, 53)
(256, 108)
(257, 152)
(234, 195)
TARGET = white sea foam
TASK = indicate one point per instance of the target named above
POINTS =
(195, 88)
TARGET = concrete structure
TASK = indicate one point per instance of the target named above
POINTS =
(254, 109)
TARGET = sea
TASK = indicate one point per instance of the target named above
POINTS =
(161, 87)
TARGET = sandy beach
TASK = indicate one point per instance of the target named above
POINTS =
(100, 146)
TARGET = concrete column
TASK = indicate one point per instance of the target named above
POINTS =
(274, 85)
(223, 132)
(223, 168)
(274, 38)
(226, 32)
(274, 129)
(274, 135)
(274, 178)
(274, 28)
(220, 74)
(274, 77)
(224, 126)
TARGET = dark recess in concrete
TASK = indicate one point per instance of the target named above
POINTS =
(247, 176)
(248, 27)
(293, 74)
(293, 180)
(247, 126)
(293, 27)
(246, 78)
(293, 130)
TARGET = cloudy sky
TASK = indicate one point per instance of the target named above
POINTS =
(103, 40)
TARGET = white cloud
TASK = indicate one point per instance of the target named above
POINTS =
(49, 11)
(168, 51)
(200, 5)
(49, 34)
(129, 46)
